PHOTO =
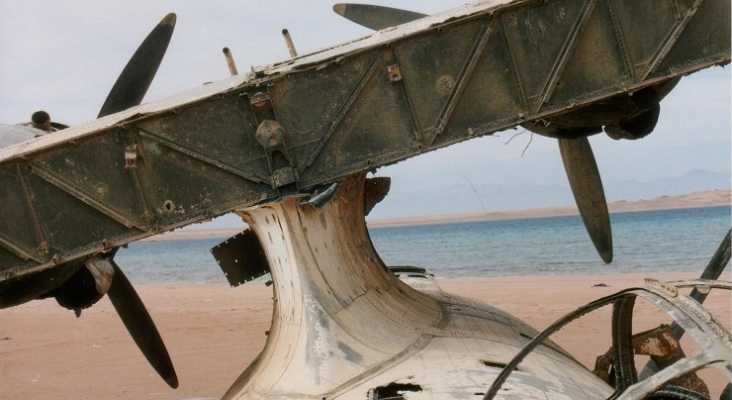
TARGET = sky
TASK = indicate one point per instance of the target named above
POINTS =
(63, 57)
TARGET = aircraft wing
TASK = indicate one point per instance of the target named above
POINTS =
(299, 125)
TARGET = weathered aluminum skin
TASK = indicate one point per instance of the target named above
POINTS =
(344, 327)
(471, 71)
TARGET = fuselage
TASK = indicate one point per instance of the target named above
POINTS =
(346, 327)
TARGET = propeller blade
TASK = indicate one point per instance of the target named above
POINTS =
(128, 91)
(137, 75)
(375, 17)
(141, 327)
(584, 179)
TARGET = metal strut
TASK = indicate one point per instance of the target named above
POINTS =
(715, 342)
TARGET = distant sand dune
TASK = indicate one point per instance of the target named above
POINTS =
(708, 198)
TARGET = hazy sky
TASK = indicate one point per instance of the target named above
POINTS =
(63, 57)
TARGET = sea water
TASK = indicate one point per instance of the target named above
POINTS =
(681, 240)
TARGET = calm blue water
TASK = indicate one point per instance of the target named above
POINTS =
(649, 241)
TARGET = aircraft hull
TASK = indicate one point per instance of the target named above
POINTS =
(344, 326)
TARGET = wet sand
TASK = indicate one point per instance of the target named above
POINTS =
(213, 332)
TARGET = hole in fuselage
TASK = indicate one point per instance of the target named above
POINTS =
(496, 364)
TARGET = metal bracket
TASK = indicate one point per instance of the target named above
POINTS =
(318, 199)
(395, 74)
(271, 135)
(260, 102)
(131, 157)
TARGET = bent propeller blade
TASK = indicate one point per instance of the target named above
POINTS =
(375, 17)
(139, 72)
(141, 326)
(584, 179)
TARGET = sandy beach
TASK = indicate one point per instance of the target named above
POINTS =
(213, 332)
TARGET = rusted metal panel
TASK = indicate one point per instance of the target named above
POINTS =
(241, 258)
(471, 71)
(665, 350)
(713, 340)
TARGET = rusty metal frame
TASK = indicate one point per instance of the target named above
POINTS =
(462, 80)
(670, 40)
(84, 196)
(394, 60)
(352, 97)
(715, 342)
(203, 158)
(566, 51)
(18, 250)
(370, 122)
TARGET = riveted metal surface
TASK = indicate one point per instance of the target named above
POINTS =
(467, 72)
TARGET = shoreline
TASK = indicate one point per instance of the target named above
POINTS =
(709, 198)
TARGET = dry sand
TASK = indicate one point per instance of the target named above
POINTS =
(213, 331)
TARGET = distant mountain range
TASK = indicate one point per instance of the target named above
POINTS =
(692, 181)
(461, 198)
(706, 198)
(230, 224)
